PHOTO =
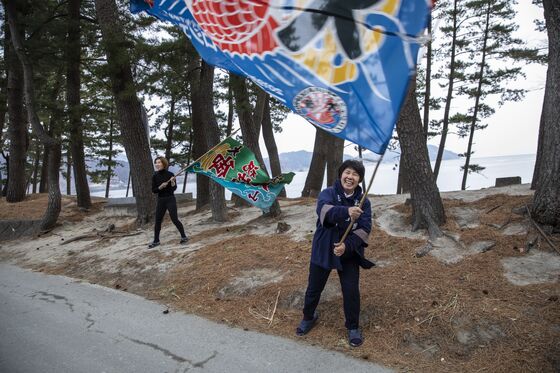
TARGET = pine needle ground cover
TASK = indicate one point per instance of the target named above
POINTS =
(418, 313)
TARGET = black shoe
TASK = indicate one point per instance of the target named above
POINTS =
(153, 244)
(184, 240)
(355, 338)
(305, 326)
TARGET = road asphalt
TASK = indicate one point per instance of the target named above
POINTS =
(58, 324)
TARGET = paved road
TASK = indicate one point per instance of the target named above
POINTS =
(57, 324)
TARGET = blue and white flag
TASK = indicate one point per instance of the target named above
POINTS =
(344, 65)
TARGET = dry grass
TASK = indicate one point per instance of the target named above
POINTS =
(34, 205)
(414, 310)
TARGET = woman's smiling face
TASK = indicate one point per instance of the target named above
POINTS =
(159, 165)
(349, 179)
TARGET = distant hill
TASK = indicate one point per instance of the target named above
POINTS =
(301, 159)
(297, 161)
(394, 155)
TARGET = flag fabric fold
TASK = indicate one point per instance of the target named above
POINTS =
(344, 65)
(235, 167)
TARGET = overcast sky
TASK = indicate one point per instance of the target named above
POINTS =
(513, 129)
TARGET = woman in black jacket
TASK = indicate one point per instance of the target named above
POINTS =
(163, 183)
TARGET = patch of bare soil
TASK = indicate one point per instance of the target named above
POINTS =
(34, 205)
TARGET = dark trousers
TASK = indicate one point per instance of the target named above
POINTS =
(169, 204)
(350, 284)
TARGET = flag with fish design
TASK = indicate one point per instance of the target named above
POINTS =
(344, 65)
(235, 167)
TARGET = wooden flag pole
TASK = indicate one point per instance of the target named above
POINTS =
(364, 196)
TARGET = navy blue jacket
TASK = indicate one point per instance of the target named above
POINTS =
(333, 219)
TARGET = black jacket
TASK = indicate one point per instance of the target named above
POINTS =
(159, 178)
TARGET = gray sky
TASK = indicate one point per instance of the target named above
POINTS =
(513, 129)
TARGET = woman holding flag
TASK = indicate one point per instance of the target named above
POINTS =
(337, 208)
(164, 184)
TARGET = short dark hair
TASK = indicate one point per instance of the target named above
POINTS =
(353, 164)
(163, 160)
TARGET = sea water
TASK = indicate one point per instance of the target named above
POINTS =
(385, 182)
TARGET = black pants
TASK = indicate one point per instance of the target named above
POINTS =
(169, 204)
(350, 284)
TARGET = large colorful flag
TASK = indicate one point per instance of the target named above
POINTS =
(235, 167)
(344, 65)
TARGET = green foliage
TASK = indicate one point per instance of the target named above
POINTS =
(485, 84)
(164, 63)
(473, 168)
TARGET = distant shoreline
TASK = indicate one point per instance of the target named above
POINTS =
(449, 179)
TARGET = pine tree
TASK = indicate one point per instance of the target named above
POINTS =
(128, 107)
(453, 72)
(73, 52)
(491, 40)
(51, 143)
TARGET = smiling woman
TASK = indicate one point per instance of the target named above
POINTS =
(337, 208)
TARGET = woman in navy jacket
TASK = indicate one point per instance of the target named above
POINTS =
(337, 207)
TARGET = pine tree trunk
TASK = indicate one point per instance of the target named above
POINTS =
(203, 112)
(128, 183)
(251, 123)
(449, 97)
(73, 50)
(169, 132)
(189, 157)
(316, 173)
(427, 91)
(249, 129)
(427, 207)
(185, 177)
(5, 186)
(17, 129)
(230, 109)
(477, 100)
(271, 148)
(546, 201)
(43, 181)
(334, 158)
(36, 167)
(129, 111)
(402, 181)
(361, 160)
(199, 141)
(109, 170)
(540, 149)
(4, 86)
(54, 201)
(68, 173)
(258, 114)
